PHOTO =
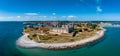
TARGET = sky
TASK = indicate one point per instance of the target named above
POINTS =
(71, 10)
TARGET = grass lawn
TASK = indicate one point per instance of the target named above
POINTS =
(60, 39)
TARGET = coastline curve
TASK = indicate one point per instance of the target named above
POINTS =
(25, 42)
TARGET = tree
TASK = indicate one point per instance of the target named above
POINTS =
(31, 26)
(36, 28)
(94, 26)
(74, 34)
(80, 30)
(34, 35)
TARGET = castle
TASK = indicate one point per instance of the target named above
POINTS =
(60, 30)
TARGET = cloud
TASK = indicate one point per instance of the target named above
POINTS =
(71, 16)
(99, 9)
(18, 16)
(31, 14)
(44, 16)
(63, 16)
(53, 13)
(9, 17)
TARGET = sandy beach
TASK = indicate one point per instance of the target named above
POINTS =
(25, 42)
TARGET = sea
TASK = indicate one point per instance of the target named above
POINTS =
(109, 45)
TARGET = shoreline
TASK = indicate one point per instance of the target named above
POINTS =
(25, 42)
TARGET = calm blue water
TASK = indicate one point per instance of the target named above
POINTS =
(11, 31)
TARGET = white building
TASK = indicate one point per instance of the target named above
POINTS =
(59, 30)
